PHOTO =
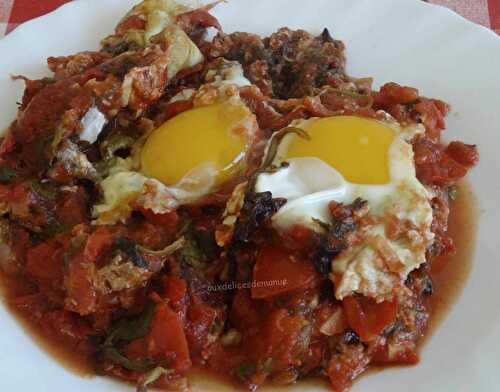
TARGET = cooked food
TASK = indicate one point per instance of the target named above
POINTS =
(235, 203)
(379, 161)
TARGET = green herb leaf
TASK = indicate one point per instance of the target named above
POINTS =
(268, 366)
(199, 247)
(131, 329)
(41, 149)
(44, 190)
(191, 254)
(6, 174)
(245, 370)
(205, 240)
(54, 228)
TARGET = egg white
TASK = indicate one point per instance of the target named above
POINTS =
(127, 185)
(309, 184)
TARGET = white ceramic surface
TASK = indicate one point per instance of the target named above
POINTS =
(406, 41)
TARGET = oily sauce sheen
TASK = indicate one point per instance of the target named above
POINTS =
(48, 342)
(449, 275)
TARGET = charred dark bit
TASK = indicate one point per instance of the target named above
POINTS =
(350, 337)
(324, 255)
(257, 209)
(344, 219)
(428, 288)
(131, 250)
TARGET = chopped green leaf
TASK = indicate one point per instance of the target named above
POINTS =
(245, 370)
(191, 254)
(6, 174)
(199, 247)
(131, 329)
(268, 366)
(41, 148)
(124, 331)
(205, 240)
(45, 190)
(54, 228)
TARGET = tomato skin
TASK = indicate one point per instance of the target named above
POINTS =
(169, 220)
(45, 261)
(368, 318)
(165, 343)
(175, 289)
(437, 166)
(98, 242)
(199, 17)
(167, 337)
(278, 337)
(72, 210)
(278, 272)
(82, 296)
(433, 118)
(301, 237)
(243, 313)
(342, 373)
(464, 154)
(392, 93)
(313, 356)
(200, 319)
(133, 22)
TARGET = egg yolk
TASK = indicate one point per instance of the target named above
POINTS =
(356, 147)
(213, 134)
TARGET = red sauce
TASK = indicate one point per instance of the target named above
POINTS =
(49, 342)
(449, 275)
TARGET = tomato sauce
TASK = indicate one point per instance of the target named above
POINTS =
(47, 341)
(449, 274)
(139, 299)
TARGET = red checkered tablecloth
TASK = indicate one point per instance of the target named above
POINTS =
(15, 12)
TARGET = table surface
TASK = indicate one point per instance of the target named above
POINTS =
(15, 12)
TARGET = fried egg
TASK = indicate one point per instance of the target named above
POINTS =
(211, 139)
(342, 159)
(189, 155)
(207, 145)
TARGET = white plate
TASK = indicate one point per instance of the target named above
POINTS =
(406, 41)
